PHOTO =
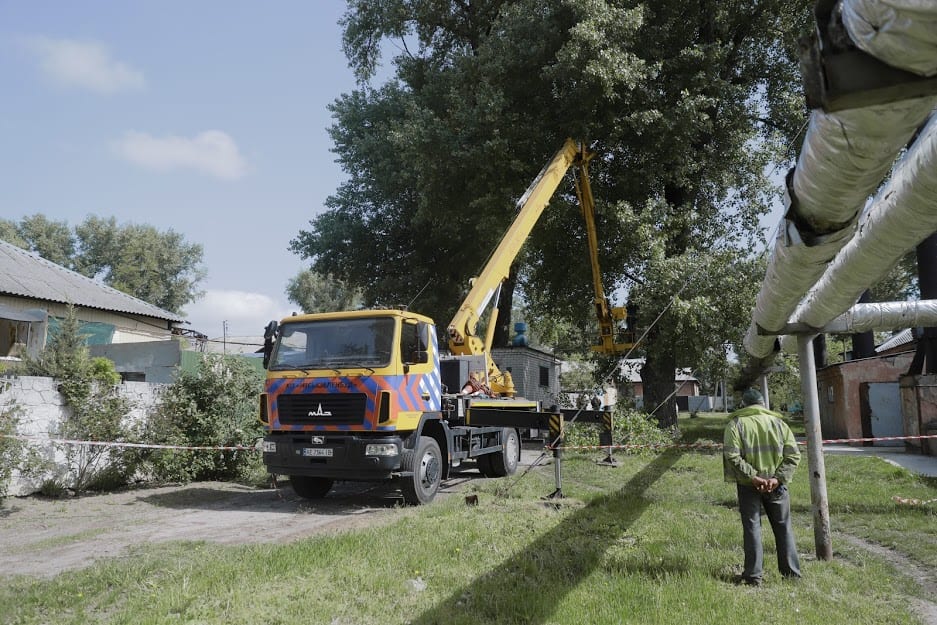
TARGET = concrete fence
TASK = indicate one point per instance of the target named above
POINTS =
(40, 408)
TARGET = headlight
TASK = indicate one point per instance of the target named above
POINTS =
(270, 447)
(381, 449)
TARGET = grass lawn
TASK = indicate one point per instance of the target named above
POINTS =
(652, 541)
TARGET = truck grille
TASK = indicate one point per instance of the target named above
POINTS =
(314, 408)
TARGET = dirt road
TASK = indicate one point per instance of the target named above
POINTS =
(43, 537)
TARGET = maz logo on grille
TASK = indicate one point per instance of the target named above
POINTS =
(319, 412)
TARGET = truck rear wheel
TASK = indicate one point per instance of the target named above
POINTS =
(502, 463)
(310, 487)
(425, 461)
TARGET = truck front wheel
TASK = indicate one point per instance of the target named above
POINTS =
(425, 461)
(310, 487)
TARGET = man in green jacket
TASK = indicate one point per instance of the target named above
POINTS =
(760, 456)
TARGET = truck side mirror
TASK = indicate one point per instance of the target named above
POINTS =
(270, 333)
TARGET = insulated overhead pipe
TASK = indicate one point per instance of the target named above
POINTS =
(902, 33)
(903, 213)
(870, 316)
(845, 155)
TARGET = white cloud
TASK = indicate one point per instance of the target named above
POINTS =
(84, 64)
(246, 313)
(212, 152)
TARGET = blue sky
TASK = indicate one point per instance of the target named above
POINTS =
(208, 118)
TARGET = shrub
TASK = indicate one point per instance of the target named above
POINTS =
(11, 449)
(96, 410)
(216, 406)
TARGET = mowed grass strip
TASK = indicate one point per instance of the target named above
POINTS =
(653, 541)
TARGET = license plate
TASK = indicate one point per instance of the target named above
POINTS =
(318, 452)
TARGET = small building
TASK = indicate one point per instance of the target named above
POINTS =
(35, 293)
(864, 398)
(686, 384)
(536, 373)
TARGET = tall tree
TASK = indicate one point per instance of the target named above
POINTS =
(53, 240)
(316, 293)
(686, 105)
(159, 267)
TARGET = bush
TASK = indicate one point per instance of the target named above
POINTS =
(214, 406)
(96, 410)
(11, 449)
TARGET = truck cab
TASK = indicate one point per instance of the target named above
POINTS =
(357, 396)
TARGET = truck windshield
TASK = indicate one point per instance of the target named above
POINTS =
(334, 344)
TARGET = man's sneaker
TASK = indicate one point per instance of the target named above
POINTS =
(741, 580)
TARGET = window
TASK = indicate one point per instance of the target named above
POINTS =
(334, 344)
(414, 339)
(545, 377)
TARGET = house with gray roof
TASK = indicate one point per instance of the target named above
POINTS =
(35, 293)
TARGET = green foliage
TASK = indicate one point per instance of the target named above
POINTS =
(53, 240)
(158, 267)
(11, 449)
(216, 405)
(687, 106)
(900, 283)
(96, 410)
(53, 488)
(577, 374)
(315, 293)
(784, 386)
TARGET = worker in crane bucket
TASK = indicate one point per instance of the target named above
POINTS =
(760, 455)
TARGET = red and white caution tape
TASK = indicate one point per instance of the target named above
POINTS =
(711, 445)
(67, 441)
(880, 438)
(906, 501)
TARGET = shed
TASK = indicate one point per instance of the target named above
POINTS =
(536, 373)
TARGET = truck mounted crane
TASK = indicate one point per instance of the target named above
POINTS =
(367, 395)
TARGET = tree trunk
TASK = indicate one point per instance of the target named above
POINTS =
(503, 333)
(657, 376)
(820, 353)
(927, 280)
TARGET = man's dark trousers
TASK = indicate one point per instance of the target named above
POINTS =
(778, 509)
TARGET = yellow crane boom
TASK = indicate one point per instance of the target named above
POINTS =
(606, 313)
(463, 339)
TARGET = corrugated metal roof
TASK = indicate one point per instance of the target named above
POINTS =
(27, 275)
(901, 338)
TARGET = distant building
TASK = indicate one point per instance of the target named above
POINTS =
(35, 294)
(685, 383)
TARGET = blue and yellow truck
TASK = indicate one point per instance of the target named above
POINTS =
(367, 395)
